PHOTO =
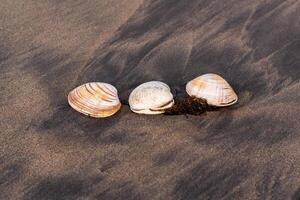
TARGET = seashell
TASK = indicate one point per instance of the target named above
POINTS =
(151, 98)
(95, 99)
(213, 88)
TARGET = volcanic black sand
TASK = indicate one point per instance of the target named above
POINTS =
(248, 151)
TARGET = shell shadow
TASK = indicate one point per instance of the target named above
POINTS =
(79, 125)
(55, 66)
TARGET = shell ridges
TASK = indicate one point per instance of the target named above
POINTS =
(151, 98)
(95, 99)
(213, 88)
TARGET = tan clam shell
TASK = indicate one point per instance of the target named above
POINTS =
(95, 99)
(151, 98)
(213, 88)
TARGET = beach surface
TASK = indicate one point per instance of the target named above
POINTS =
(48, 151)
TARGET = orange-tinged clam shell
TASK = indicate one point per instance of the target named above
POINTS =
(213, 88)
(95, 99)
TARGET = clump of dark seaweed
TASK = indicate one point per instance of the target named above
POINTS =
(189, 105)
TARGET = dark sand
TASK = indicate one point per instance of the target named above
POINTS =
(248, 151)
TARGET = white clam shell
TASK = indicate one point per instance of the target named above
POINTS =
(151, 98)
(95, 99)
(213, 88)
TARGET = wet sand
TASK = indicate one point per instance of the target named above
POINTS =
(248, 151)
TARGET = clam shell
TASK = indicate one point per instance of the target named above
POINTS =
(213, 88)
(151, 98)
(95, 99)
